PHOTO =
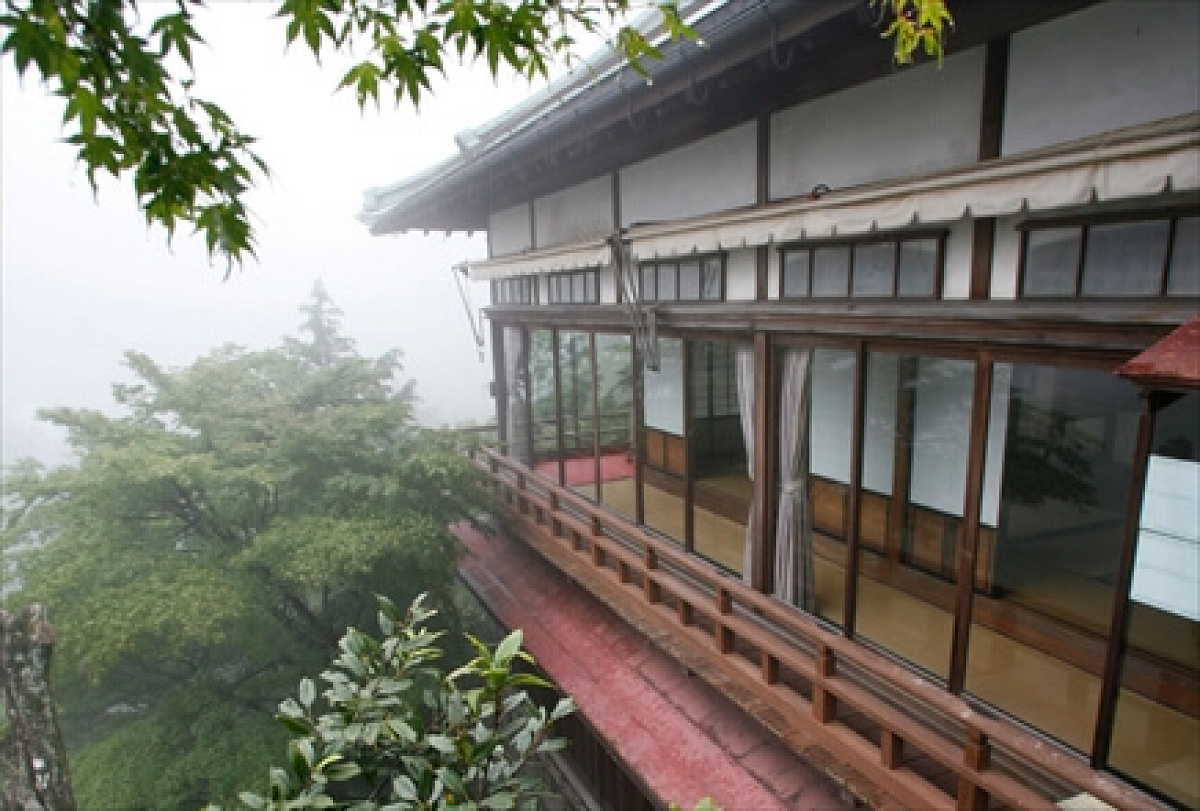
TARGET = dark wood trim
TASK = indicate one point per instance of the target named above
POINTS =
(596, 477)
(766, 443)
(995, 90)
(556, 353)
(533, 244)
(500, 383)
(689, 492)
(762, 188)
(637, 374)
(762, 272)
(617, 230)
(983, 244)
(906, 376)
(1111, 682)
(527, 337)
(1061, 328)
(969, 531)
(850, 590)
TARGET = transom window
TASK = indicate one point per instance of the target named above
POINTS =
(693, 279)
(517, 290)
(1151, 255)
(577, 287)
(908, 267)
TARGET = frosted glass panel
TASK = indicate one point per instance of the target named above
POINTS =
(664, 389)
(1126, 258)
(1051, 261)
(874, 269)
(1184, 279)
(879, 433)
(832, 414)
(831, 271)
(941, 426)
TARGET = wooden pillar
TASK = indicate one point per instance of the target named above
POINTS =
(722, 634)
(968, 537)
(500, 384)
(991, 129)
(977, 755)
(766, 455)
(649, 585)
(1111, 683)
(853, 502)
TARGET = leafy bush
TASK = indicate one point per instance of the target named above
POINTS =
(396, 732)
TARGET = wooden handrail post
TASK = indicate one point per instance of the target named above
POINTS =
(649, 584)
(770, 668)
(891, 748)
(722, 633)
(824, 702)
(685, 612)
(977, 755)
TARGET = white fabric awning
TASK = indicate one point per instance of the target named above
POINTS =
(1135, 163)
(576, 256)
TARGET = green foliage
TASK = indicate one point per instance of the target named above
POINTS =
(396, 732)
(126, 82)
(222, 534)
(916, 25)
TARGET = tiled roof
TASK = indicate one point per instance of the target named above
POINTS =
(1173, 362)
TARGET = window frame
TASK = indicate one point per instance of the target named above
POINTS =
(566, 281)
(514, 290)
(850, 244)
(671, 266)
(1085, 222)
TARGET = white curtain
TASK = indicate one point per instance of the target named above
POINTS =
(793, 530)
(516, 358)
(745, 390)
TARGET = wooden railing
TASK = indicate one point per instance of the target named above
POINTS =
(993, 761)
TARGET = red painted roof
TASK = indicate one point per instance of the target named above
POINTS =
(1173, 362)
(683, 739)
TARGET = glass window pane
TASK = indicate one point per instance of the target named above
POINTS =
(917, 274)
(689, 281)
(578, 440)
(649, 290)
(664, 450)
(823, 473)
(666, 283)
(1051, 259)
(1049, 555)
(1156, 737)
(831, 271)
(1184, 279)
(795, 273)
(717, 455)
(874, 269)
(918, 418)
(618, 432)
(1126, 258)
(711, 285)
(579, 288)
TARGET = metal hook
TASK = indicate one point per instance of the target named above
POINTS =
(780, 61)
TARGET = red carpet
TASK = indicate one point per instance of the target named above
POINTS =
(582, 470)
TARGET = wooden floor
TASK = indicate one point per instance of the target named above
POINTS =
(1157, 744)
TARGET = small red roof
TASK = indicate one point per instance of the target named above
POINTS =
(1173, 362)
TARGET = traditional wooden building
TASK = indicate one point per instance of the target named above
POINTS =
(824, 374)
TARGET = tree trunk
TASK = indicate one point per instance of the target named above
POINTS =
(35, 762)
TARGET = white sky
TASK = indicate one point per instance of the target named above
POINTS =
(83, 281)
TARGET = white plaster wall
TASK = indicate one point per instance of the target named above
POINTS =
(608, 285)
(915, 121)
(713, 174)
(578, 212)
(1006, 254)
(508, 230)
(740, 272)
(1113, 65)
(956, 280)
